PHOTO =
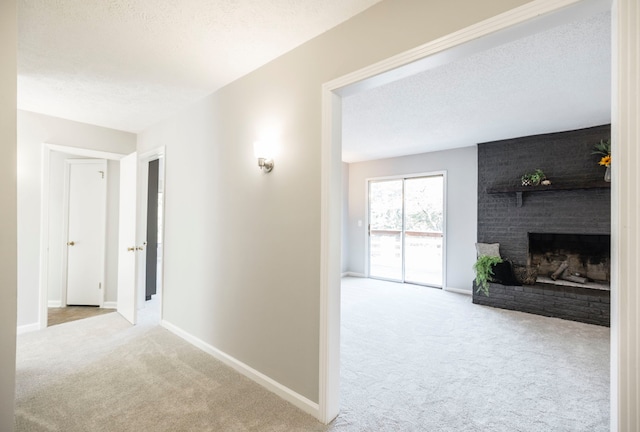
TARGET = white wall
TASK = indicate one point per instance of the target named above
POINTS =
(33, 131)
(56, 227)
(461, 223)
(242, 249)
(345, 217)
(8, 262)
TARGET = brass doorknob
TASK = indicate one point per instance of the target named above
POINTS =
(71, 243)
(131, 249)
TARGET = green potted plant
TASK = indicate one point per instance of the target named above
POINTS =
(484, 270)
(603, 148)
(533, 179)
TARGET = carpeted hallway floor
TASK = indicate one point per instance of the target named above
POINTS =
(413, 359)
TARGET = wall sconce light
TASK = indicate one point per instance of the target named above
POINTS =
(264, 150)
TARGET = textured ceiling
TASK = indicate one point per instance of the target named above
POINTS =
(127, 64)
(552, 81)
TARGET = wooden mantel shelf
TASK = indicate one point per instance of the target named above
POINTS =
(559, 186)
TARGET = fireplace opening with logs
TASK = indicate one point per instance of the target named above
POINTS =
(580, 260)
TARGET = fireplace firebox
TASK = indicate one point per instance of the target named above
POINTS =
(580, 260)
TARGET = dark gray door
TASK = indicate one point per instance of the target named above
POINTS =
(152, 229)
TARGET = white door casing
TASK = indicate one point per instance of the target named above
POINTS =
(85, 228)
(127, 251)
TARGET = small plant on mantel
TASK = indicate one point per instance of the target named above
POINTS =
(533, 179)
(484, 270)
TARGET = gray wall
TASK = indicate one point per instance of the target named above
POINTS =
(33, 131)
(268, 316)
(461, 167)
(8, 261)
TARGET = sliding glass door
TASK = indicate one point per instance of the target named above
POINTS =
(423, 230)
(385, 229)
(406, 220)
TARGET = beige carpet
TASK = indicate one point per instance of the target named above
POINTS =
(101, 374)
(420, 359)
(414, 359)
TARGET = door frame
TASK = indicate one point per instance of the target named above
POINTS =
(65, 226)
(402, 177)
(47, 150)
(512, 24)
(141, 224)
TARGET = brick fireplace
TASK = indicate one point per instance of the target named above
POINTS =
(544, 226)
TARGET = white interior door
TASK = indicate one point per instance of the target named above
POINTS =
(127, 251)
(86, 230)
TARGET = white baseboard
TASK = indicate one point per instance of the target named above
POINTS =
(458, 290)
(54, 303)
(354, 274)
(110, 305)
(27, 328)
(270, 384)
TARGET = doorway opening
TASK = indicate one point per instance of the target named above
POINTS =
(154, 222)
(57, 246)
(492, 32)
(406, 229)
(53, 239)
(150, 234)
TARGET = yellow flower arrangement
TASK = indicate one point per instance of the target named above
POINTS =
(605, 161)
(603, 148)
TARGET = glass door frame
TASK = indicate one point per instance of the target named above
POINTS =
(404, 177)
